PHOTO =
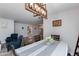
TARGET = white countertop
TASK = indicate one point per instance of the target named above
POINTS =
(60, 50)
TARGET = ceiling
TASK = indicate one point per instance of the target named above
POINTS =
(17, 12)
(60, 7)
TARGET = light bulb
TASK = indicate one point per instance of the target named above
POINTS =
(31, 5)
(36, 7)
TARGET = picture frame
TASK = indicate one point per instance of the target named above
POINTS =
(57, 23)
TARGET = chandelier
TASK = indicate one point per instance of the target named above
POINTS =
(38, 9)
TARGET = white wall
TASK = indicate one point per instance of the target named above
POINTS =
(47, 25)
(35, 32)
(18, 29)
(6, 28)
(68, 31)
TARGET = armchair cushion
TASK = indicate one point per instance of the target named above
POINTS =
(9, 39)
(14, 36)
(15, 44)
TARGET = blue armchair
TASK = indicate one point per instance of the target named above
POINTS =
(14, 40)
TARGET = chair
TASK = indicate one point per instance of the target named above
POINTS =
(14, 37)
(76, 53)
(14, 40)
(8, 40)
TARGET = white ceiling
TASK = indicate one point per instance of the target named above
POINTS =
(60, 7)
(17, 11)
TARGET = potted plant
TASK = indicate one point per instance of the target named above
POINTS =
(49, 40)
